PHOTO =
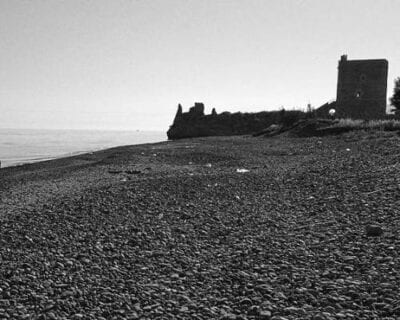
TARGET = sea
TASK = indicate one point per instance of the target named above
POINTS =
(20, 146)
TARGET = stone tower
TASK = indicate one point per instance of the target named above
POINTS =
(361, 88)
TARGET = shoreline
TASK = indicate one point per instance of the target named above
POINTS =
(20, 162)
(28, 145)
(206, 228)
(72, 155)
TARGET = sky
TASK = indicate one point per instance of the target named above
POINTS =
(126, 64)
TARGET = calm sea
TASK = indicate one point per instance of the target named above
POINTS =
(28, 145)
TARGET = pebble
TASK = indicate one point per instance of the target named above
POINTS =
(265, 315)
(373, 231)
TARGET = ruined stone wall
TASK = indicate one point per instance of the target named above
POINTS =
(196, 124)
(361, 88)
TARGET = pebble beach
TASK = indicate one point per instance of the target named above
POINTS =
(208, 228)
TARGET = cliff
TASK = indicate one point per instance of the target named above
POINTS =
(196, 124)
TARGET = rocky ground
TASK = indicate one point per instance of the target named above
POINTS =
(176, 231)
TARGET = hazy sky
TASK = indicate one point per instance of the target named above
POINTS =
(126, 64)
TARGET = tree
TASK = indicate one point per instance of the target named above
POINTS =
(395, 99)
(310, 113)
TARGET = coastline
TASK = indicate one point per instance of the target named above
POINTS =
(23, 161)
(19, 146)
(175, 230)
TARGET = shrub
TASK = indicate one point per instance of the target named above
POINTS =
(395, 99)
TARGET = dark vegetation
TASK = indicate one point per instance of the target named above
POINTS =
(395, 99)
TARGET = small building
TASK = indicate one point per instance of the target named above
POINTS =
(361, 88)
